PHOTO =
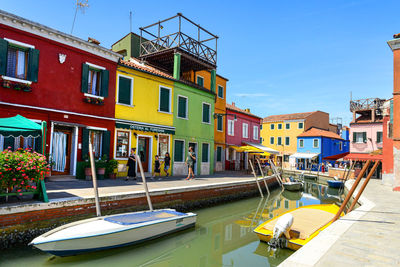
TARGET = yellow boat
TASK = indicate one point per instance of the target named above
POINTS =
(308, 222)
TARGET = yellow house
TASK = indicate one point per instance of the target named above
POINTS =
(144, 114)
(280, 132)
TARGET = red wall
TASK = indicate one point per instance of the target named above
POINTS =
(59, 85)
(387, 149)
(238, 139)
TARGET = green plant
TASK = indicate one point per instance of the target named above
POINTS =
(22, 170)
(112, 164)
(101, 162)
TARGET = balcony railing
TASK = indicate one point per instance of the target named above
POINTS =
(366, 104)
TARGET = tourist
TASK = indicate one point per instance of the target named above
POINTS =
(167, 163)
(131, 165)
(190, 161)
(157, 167)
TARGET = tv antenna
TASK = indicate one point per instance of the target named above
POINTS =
(80, 4)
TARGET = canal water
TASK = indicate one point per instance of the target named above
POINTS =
(222, 237)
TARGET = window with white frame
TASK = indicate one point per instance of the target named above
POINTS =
(287, 126)
(279, 141)
(255, 132)
(125, 90)
(231, 127)
(301, 125)
(315, 143)
(205, 153)
(272, 140)
(179, 150)
(17, 62)
(219, 153)
(220, 123)
(301, 143)
(359, 137)
(206, 113)
(279, 126)
(94, 82)
(96, 138)
(164, 100)
(122, 144)
(200, 81)
(220, 91)
(245, 133)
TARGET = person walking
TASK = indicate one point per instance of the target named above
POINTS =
(167, 163)
(190, 161)
(131, 165)
(157, 168)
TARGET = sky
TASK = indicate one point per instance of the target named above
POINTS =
(279, 56)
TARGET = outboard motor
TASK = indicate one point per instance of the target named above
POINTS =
(282, 227)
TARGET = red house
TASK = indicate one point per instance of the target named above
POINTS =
(243, 128)
(47, 75)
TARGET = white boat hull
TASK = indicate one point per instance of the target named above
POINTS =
(82, 236)
(293, 186)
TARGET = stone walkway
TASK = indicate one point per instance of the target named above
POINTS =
(368, 236)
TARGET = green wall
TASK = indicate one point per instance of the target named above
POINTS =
(130, 43)
(193, 129)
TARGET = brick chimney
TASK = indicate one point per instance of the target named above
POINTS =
(233, 104)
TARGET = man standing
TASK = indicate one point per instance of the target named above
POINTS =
(190, 161)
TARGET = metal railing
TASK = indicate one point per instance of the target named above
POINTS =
(366, 104)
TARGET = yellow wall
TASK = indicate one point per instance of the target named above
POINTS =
(145, 98)
(292, 133)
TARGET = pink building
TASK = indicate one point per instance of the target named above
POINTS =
(243, 128)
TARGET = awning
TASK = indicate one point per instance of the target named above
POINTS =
(336, 157)
(145, 127)
(304, 155)
(238, 149)
(19, 126)
(363, 157)
(263, 148)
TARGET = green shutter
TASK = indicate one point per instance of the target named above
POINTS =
(106, 144)
(124, 91)
(364, 137)
(3, 56)
(85, 143)
(219, 153)
(204, 152)
(33, 65)
(213, 80)
(178, 152)
(104, 82)
(378, 137)
(220, 91)
(206, 113)
(182, 107)
(164, 100)
(38, 145)
(354, 137)
(219, 123)
(85, 78)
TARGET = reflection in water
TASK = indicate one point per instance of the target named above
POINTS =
(223, 237)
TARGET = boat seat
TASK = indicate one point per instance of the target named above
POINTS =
(141, 217)
(305, 221)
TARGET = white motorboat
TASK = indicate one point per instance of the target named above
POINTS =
(293, 186)
(112, 231)
(105, 232)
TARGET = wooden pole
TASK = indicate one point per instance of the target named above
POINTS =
(94, 179)
(363, 186)
(255, 176)
(349, 195)
(146, 189)
(262, 174)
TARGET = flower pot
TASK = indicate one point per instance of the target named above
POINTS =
(100, 173)
(112, 176)
(88, 174)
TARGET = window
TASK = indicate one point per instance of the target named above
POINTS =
(18, 60)
(272, 126)
(220, 123)
(287, 126)
(286, 204)
(315, 143)
(286, 158)
(206, 112)
(261, 139)
(125, 90)
(271, 140)
(96, 138)
(220, 91)
(94, 80)
(219, 153)
(163, 145)
(200, 81)
(165, 100)
(379, 137)
(245, 133)
(122, 144)
(231, 127)
(255, 132)
(279, 141)
(279, 126)
(205, 152)
(301, 142)
(182, 107)
(359, 137)
(301, 125)
(179, 151)
(287, 141)
(341, 145)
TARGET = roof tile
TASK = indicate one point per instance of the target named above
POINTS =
(235, 108)
(283, 117)
(140, 66)
(315, 132)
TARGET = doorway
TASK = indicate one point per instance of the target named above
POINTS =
(194, 147)
(61, 150)
(143, 149)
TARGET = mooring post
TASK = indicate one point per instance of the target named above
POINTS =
(262, 174)
(255, 176)
(146, 189)
(94, 179)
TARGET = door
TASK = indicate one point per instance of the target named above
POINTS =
(143, 152)
(194, 147)
(61, 151)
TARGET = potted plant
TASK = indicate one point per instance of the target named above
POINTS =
(112, 164)
(101, 167)
(6, 84)
(88, 169)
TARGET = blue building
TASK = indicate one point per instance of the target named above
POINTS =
(319, 146)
